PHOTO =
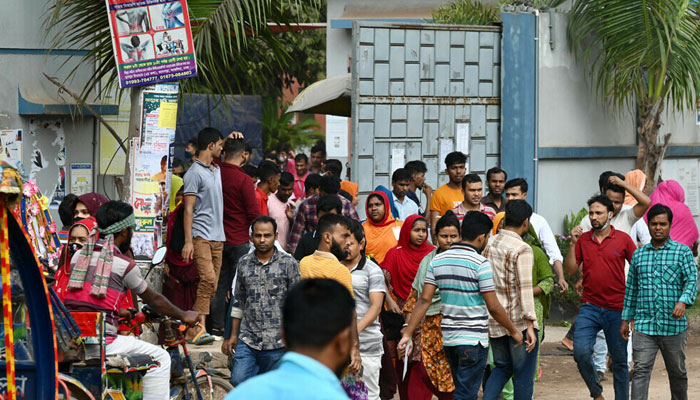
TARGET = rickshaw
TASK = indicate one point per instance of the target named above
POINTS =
(28, 367)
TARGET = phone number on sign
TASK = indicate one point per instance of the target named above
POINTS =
(158, 78)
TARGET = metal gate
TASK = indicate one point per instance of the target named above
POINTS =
(421, 91)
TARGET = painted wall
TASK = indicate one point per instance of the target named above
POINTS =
(570, 115)
(50, 142)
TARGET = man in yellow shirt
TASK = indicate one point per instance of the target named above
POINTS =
(449, 195)
(334, 233)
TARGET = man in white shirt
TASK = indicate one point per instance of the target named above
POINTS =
(516, 189)
(623, 218)
(401, 182)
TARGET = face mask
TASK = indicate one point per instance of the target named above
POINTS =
(188, 155)
(281, 159)
(73, 248)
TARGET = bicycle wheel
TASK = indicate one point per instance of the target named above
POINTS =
(217, 390)
(76, 389)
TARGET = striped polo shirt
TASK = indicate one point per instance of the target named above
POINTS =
(324, 265)
(462, 275)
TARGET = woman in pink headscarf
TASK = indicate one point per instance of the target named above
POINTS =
(683, 229)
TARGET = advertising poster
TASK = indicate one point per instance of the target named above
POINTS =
(151, 172)
(151, 40)
(80, 178)
(11, 146)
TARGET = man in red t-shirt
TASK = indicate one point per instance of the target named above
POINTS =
(240, 210)
(269, 175)
(600, 254)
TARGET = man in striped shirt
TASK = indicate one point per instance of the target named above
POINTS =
(472, 189)
(467, 295)
(512, 260)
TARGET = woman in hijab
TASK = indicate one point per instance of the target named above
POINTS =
(638, 179)
(683, 229)
(390, 195)
(433, 362)
(400, 267)
(181, 277)
(86, 205)
(77, 237)
(381, 229)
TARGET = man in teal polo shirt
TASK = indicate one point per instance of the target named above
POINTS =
(662, 281)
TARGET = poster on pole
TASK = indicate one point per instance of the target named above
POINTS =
(150, 172)
(80, 178)
(11, 146)
(151, 40)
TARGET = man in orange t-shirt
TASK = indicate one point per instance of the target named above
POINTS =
(449, 195)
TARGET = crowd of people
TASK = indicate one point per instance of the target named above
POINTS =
(437, 293)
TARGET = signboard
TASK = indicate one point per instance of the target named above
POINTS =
(11, 146)
(336, 136)
(150, 175)
(80, 178)
(151, 40)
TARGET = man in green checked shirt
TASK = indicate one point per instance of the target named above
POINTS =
(662, 281)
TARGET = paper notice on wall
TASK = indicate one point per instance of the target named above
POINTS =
(11, 146)
(462, 137)
(446, 147)
(398, 159)
(685, 172)
(80, 178)
(168, 115)
(336, 136)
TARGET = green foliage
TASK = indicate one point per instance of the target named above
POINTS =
(563, 241)
(467, 12)
(229, 36)
(640, 53)
(477, 12)
(278, 128)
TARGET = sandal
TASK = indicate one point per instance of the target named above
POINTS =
(201, 339)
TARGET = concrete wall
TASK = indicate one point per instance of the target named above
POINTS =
(571, 117)
(55, 140)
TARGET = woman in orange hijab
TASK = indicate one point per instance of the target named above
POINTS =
(381, 229)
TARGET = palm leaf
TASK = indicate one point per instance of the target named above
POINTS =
(220, 28)
(639, 52)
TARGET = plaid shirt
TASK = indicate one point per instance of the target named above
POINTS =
(657, 280)
(306, 218)
(512, 260)
(258, 298)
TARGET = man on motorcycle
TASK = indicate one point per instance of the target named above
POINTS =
(100, 277)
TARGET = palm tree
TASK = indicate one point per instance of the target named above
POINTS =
(220, 30)
(278, 127)
(644, 56)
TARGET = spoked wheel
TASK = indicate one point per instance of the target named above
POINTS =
(211, 387)
(71, 389)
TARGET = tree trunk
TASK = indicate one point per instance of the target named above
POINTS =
(650, 152)
(134, 131)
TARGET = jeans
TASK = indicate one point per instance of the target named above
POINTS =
(248, 362)
(467, 364)
(156, 382)
(219, 305)
(600, 353)
(591, 319)
(512, 362)
(645, 348)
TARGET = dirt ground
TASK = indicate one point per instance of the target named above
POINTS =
(561, 379)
